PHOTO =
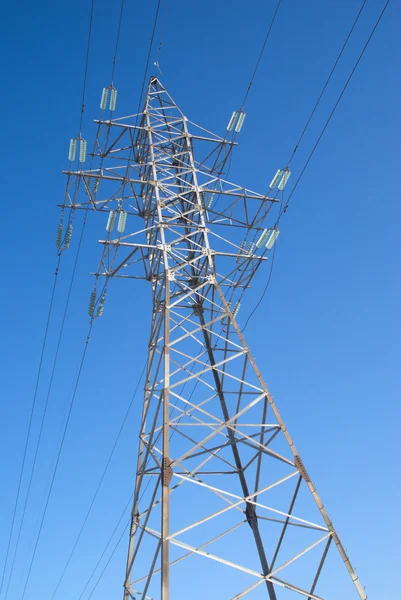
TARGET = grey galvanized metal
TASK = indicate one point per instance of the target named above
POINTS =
(222, 498)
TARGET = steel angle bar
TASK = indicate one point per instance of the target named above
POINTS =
(181, 558)
(297, 556)
(248, 498)
(211, 368)
(294, 588)
(223, 510)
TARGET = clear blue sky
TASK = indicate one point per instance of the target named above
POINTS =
(327, 335)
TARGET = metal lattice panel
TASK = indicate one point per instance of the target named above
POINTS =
(223, 505)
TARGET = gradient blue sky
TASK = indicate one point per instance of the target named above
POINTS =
(327, 335)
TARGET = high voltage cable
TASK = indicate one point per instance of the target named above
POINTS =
(255, 70)
(325, 84)
(138, 110)
(108, 561)
(73, 275)
(148, 57)
(311, 154)
(264, 290)
(284, 208)
(100, 481)
(261, 53)
(86, 66)
(57, 459)
(46, 404)
(30, 421)
(327, 81)
(339, 99)
(106, 546)
(333, 110)
(136, 389)
(117, 39)
(41, 359)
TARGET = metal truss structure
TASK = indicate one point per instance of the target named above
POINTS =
(223, 505)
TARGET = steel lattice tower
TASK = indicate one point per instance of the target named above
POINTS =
(223, 505)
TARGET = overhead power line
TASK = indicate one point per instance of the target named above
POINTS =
(117, 39)
(105, 469)
(136, 389)
(57, 460)
(28, 434)
(109, 560)
(261, 53)
(149, 55)
(46, 406)
(86, 66)
(284, 207)
(334, 109)
(228, 156)
(108, 543)
(41, 361)
(327, 81)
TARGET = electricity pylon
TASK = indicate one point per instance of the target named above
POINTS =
(223, 505)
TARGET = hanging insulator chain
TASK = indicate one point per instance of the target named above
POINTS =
(100, 307)
(263, 237)
(104, 98)
(232, 121)
(284, 179)
(272, 238)
(111, 221)
(122, 219)
(68, 235)
(283, 176)
(82, 150)
(72, 150)
(237, 306)
(59, 235)
(92, 302)
(113, 98)
(240, 122)
(209, 200)
(237, 119)
(87, 183)
(241, 250)
(275, 179)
